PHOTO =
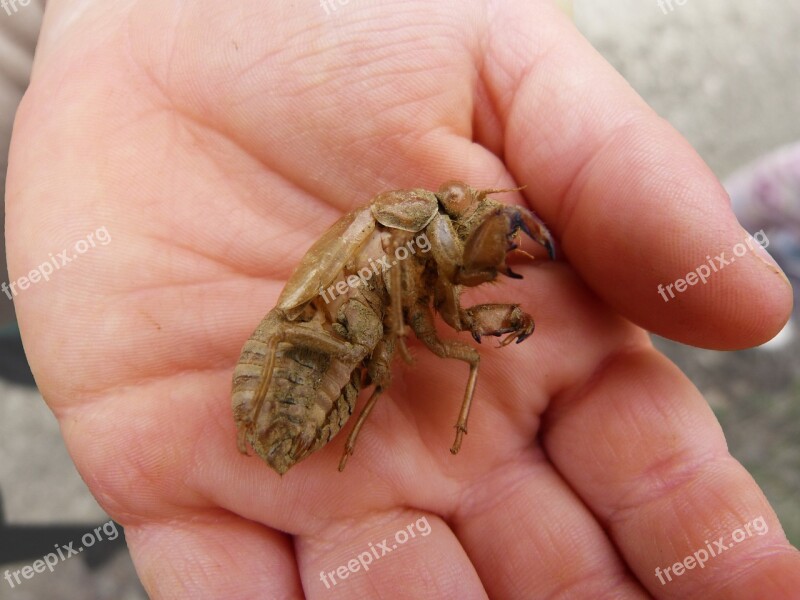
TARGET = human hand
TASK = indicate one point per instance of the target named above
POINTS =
(216, 142)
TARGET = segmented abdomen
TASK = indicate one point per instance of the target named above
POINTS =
(310, 396)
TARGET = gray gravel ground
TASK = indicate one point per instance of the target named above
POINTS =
(726, 74)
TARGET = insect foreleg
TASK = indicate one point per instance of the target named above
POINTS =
(422, 322)
(497, 320)
(482, 319)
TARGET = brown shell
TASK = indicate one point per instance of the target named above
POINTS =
(327, 257)
(408, 210)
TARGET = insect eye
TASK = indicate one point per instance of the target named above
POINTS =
(456, 197)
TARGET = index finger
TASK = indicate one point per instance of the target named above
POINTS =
(638, 213)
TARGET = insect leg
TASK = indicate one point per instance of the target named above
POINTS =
(422, 322)
(261, 391)
(497, 320)
(396, 301)
(482, 319)
(362, 417)
(379, 371)
(273, 330)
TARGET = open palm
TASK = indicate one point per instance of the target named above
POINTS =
(214, 142)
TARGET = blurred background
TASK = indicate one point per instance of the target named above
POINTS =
(726, 73)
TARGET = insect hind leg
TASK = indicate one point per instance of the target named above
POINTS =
(350, 445)
(275, 329)
(379, 371)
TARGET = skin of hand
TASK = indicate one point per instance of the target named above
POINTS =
(216, 141)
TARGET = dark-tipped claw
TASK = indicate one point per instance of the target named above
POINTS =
(551, 249)
(534, 228)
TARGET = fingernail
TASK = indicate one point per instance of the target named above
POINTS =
(759, 245)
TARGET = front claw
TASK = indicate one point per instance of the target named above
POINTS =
(498, 320)
(524, 327)
(487, 246)
(531, 224)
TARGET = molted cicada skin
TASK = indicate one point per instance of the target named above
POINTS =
(377, 272)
